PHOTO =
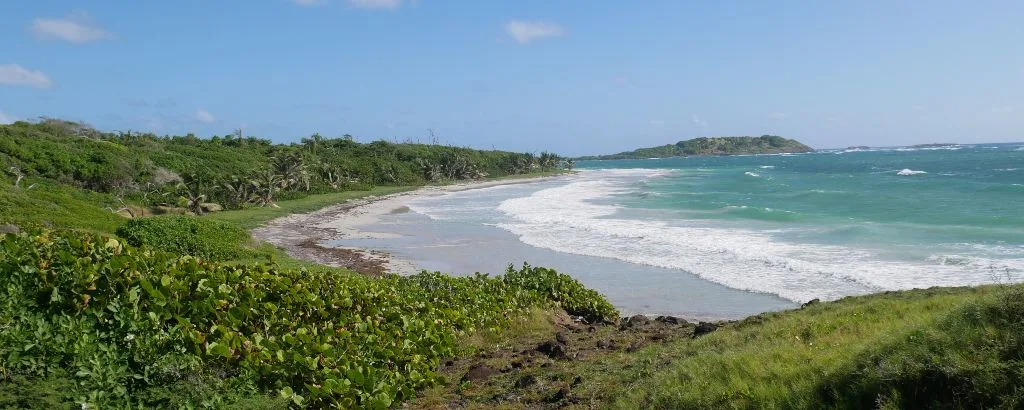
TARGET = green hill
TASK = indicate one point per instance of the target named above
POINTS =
(765, 144)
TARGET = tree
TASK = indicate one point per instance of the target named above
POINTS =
(265, 187)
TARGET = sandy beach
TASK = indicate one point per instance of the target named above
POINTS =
(303, 236)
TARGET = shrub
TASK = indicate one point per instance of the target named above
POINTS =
(187, 235)
(564, 291)
(133, 327)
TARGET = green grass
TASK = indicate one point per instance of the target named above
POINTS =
(799, 359)
(253, 217)
(56, 205)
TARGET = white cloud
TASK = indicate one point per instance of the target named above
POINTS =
(703, 125)
(777, 115)
(526, 31)
(13, 74)
(6, 119)
(376, 4)
(75, 29)
(310, 3)
(205, 116)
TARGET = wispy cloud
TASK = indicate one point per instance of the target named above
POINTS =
(205, 116)
(13, 74)
(76, 28)
(309, 3)
(777, 115)
(526, 31)
(6, 119)
(376, 4)
(703, 125)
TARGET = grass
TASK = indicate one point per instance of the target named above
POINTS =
(938, 348)
(250, 218)
(56, 205)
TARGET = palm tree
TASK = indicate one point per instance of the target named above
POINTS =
(190, 193)
(264, 187)
(238, 191)
(292, 169)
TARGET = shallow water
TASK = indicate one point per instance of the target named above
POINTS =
(732, 236)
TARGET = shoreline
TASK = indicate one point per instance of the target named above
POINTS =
(301, 235)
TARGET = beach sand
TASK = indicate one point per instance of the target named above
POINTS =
(304, 236)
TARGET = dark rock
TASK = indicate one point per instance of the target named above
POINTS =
(562, 338)
(606, 344)
(545, 364)
(553, 349)
(449, 363)
(479, 372)
(577, 380)
(635, 346)
(517, 365)
(811, 302)
(559, 395)
(526, 381)
(672, 320)
(591, 329)
(638, 320)
(9, 228)
(704, 328)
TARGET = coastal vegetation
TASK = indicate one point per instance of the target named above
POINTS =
(124, 285)
(765, 144)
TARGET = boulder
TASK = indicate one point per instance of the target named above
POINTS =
(704, 328)
(9, 228)
(672, 320)
(553, 349)
(526, 381)
(211, 207)
(811, 302)
(638, 320)
(479, 372)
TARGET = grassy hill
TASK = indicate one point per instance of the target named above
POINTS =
(765, 144)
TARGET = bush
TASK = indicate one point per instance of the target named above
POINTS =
(564, 291)
(187, 235)
(137, 328)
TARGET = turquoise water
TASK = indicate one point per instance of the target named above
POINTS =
(732, 236)
(826, 224)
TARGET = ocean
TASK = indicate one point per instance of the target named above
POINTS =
(731, 236)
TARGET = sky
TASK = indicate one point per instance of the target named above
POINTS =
(573, 77)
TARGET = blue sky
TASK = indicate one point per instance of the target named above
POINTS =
(575, 77)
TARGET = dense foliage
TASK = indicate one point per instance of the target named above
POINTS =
(765, 144)
(232, 171)
(186, 235)
(126, 325)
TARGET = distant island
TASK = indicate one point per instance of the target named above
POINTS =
(765, 144)
(935, 145)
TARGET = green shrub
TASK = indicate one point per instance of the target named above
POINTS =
(133, 327)
(564, 291)
(187, 235)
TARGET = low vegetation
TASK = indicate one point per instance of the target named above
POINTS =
(123, 324)
(765, 144)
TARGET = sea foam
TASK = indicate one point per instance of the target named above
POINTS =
(575, 218)
(908, 171)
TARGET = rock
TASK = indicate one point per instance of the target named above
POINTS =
(672, 320)
(634, 346)
(704, 328)
(449, 363)
(211, 207)
(526, 381)
(591, 329)
(606, 344)
(9, 228)
(562, 338)
(811, 302)
(577, 380)
(559, 395)
(638, 320)
(517, 364)
(552, 349)
(479, 372)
